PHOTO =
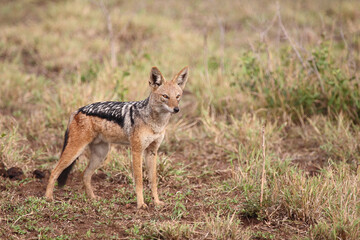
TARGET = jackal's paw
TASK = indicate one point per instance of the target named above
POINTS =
(95, 197)
(142, 206)
(159, 203)
(49, 198)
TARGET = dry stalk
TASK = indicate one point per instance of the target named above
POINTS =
(349, 54)
(289, 39)
(264, 33)
(304, 65)
(222, 45)
(106, 13)
(263, 175)
(206, 55)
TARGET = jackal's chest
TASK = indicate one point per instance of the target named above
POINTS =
(147, 139)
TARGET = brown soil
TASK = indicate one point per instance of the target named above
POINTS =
(203, 173)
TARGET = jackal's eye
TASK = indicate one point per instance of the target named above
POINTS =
(165, 96)
(178, 96)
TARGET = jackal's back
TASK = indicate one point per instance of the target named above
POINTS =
(122, 113)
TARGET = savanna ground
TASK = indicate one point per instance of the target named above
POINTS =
(290, 66)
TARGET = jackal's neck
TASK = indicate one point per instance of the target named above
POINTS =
(154, 115)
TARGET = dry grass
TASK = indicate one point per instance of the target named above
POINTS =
(291, 66)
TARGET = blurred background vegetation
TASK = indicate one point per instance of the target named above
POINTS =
(292, 66)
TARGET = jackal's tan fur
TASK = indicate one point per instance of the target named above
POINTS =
(141, 124)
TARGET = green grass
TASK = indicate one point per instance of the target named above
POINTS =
(304, 88)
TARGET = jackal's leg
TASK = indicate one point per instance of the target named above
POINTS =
(72, 151)
(137, 152)
(80, 134)
(150, 161)
(98, 155)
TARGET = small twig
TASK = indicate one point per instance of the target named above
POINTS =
(263, 175)
(345, 42)
(206, 55)
(263, 33)
(22, 217)
(349, 55)
(288, 38)
(222, 44)
(206, 235)
(111, 34)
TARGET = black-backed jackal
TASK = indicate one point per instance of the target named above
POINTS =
(141, 124)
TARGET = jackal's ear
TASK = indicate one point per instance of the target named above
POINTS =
(182, 77)
(156, 78)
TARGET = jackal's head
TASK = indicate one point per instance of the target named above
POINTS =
(166, 95)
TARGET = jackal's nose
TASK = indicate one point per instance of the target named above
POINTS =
(176, 109)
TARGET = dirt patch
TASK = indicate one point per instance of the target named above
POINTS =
(193, 186)
(189, 197)
(196, 183)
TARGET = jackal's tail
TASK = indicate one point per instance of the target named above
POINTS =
(65, 174)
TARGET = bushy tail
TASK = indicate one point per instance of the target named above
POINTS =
(65, 174)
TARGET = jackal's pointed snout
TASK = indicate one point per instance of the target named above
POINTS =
(176, 109)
